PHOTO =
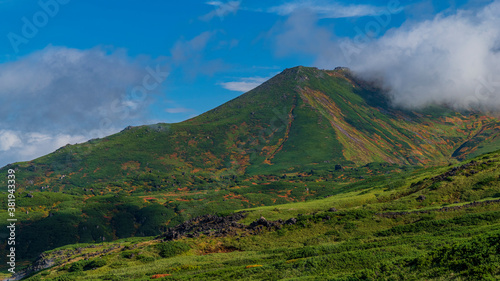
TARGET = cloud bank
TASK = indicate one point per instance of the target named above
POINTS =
(60, 95)
(452, 59)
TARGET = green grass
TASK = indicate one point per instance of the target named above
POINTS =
(355, 242)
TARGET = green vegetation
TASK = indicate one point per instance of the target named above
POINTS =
(419, 225)
(172, 249)
(304, 142)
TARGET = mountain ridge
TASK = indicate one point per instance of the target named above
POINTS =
(325, 116)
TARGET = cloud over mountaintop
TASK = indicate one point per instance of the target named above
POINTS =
(452, 59)
(60, 95)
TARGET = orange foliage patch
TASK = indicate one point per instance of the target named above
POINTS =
(286, 196)
(237, 197)
(253, 265)
(156, 276)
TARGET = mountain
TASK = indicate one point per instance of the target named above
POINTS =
(304, 134)
(303, 118)
(439, 223)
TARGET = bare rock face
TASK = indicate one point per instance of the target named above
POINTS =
(220, 226)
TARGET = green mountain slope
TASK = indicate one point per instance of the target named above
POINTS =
(434, 224)
(301, 119)
(304, 134)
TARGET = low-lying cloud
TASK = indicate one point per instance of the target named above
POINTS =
(452, 59)
(244, 84)
(60, 95)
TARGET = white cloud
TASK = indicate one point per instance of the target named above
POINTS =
(60, 95)
(452, 59)
(300, 34)
(189, 55)
(448, 60)
(244, 85)
(222, 9)
(186, 49)
(9, 140)
(38, 144)
(23, 146)
(326, 9)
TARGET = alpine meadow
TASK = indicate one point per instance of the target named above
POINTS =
(248, 140)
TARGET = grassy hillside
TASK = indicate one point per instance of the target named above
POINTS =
(303, 135)
(431, 224)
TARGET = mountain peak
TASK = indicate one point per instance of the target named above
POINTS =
(300, 73)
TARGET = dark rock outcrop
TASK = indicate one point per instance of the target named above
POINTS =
(421, 198)
(221, 226)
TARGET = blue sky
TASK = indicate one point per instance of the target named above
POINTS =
(72, 70)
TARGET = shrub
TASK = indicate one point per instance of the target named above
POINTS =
(478, 258)
(77, 266)
(350, 226)
(129, 254)
(87, 265)
(96, 263)
(145, 259)
(172, 248)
